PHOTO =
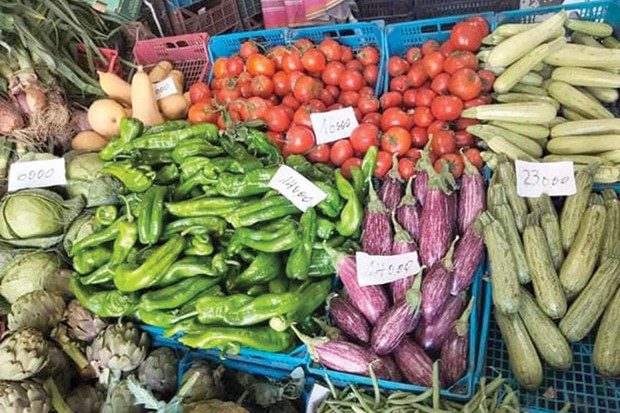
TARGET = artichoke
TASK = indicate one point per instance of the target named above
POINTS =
(23, 397)
(83, 226)
(213, 405)
(159, 372)
(23, 354)
(120, 347)
(85, 399)
(83, 325)
(38, 309)
(36, 217)
(121, 400)
(209, 384)
(59, 367)
(84, 178)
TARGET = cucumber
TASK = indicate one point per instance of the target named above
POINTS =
(524, 97)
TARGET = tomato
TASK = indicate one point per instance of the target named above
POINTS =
(227, 95)
(262, 86)
(430, 46)
(437, 126)
(368, 104)
(399, 84)
(291, 62)
(433, 63)
(413, 54)
(281, 84)
(259, 64)
(384, 163)
(277, 55)
(302, 115)
(351, 80)
(306, 88)
(455, 164)
(488, 79)
(446, 48)
(395, 117)
(406, 168)
(414, 154)
(358, 115)
(364, 136)
(303, 44)
(202, 112)
(464, 123)
(326, 97)
(396, 140)
(443, 142)
(423, 117)
(341, 151)
(354, 65)
(417, 74)
(277, 119)
(290, 101)
(199, 91)
(391, 99)
(289, 110)
(424, 97)
(299, 139)
(253, 108)
(234, 118)
(331, 49)
(460, 59)
(479, 101)
(482, 24)
(276, 138)
(234, 66)
(313, 60)
(466, 36)
(368, 55)
(293, 77)
(218, 83)
(347, 54)
(397, 66)
(447, 107)
(349, 98)
(473, 156)
(236, 105)
(331, 74)
(320, 153)
(419, 137)
(465, 84)
(409, 98)
(373, 118)
(245, 88)
(371, 73)
(273, 100)
(335, 106)
(463, 139)
(317, 105)
(348, 164)
(333, 90)
(247, 49)
(440, 83)
(219, 68)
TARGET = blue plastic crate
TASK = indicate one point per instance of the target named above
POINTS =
(461, 390)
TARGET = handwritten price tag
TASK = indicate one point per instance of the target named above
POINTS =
(37, 174)
(383, 269)
(296, 188)
(317, 395)
(165, 88)
(552, 178)
(334, 125)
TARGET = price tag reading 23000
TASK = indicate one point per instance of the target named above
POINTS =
(333, 125)
(552, 178)
(383, 269)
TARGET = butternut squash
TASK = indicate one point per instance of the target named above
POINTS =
(115, 87)
(104, 116)
(160, 71)
(143, 101)
(88, 141)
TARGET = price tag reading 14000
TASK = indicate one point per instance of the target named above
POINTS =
(37, 174)
(552, 178)
(379, 269)
(334, 125)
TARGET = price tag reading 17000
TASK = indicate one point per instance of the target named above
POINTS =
(334, 125)
(383, 269)
(37, 174)
(552, 178)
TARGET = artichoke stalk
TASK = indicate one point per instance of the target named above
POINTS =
(82, 324)
(37, 309)
(23, 354)
(59, 335)
(23, 397)
(59, 367)
(159, 372)
(121, 347)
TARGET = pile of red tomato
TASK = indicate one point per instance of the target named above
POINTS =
(429, 87)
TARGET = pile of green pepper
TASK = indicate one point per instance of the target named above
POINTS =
(203, 247)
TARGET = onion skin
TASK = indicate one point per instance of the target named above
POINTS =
(10, 118)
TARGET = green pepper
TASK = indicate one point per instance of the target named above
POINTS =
(195, 147)
(175, 295)
(190, 184)
(213, 225)
(243, 310)
(202, 206)
(131, 277)
(167, 175)
(220, 165)
(369, 164)
(148, 157)
(254, 182)
(190, 267)
(300, 164)
(156, 318)
(97, 238)
(257, 290)
(248, 208)
(105, 215)
(89, 260)
(131, 128)
(324, 228)
(284, 240)
(199, 245)
(278, 285)
(114, 148)
(261, 211)
(321, 264)
(101, 275)
(251, 237)
(134, 179)
(168, 126)
(331, 205)
(357, 178)
(239, 153)
(352, 214)
(298, 263)
(312, 297)
(151, 216)
(104, 303)
(124, 243)
(170, 139)
(263, 269)
(191, 165)
(259, 338)
(322, 173)
(258, 142)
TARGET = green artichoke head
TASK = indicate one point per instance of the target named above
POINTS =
(82, 324)
(209, 384)
(85, 399)
(23, 397)
(121, 400)
(38, 309)
(159, 372)
(121, 347)
(23, 354)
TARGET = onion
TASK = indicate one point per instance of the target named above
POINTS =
(79, 121)
(10, 118)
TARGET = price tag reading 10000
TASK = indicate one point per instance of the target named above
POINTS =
(334, 125)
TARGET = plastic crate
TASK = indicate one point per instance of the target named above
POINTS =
(461, 390)
(426, 9)
(391, 11)
(111, 64)
(608, 11)
(187, 53)
(126, 9)
(210, 18)
(172, 5)
(249, 8)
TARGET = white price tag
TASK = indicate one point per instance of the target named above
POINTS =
(165, 88)
(383, 269)
(317, 395)
(552, 178)
(296, 188)
(334, 125)
(37, 174)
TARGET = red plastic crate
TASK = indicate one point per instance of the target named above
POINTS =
(187, 53)
(111, 64)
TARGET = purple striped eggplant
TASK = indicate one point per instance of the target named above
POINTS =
(453, 207)
(350, 321)
(408, 213)
(403, 243)
(342, 356)
(472, 196)
(388, 368)
(454, 352)
(420, 188)
(467, 257)
(372, 301)
(436, 287)
(432, 335)
(394, 325)
(392, 187)
(377, 230)
(414, 363)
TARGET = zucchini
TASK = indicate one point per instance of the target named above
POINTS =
(524, 360)
(504, 280)
(587, 127)
(532, 79)
(612, 225)
(507, 176)
(547, 288)
(483, 54)
(551, 227)
(558, 120)
(572, 115)
(611, 156)
(579, 76)
(502, 146)
(611, 43)
(606, 355)
(577, 55)
(583, 254)
(547, 337)
(604, 94)
(596, 29)
(530, 90)
(585, 311)
(530, 131)
(541, 204)
(510, 29)
(586, 144)
(606, 174)
(489, 132)
(575, 205)
(525, 112)
(573, 99)
(586, 40)
(576, 159)
(490, 159)
(513, 48)
(523, 97)
(492, 39)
